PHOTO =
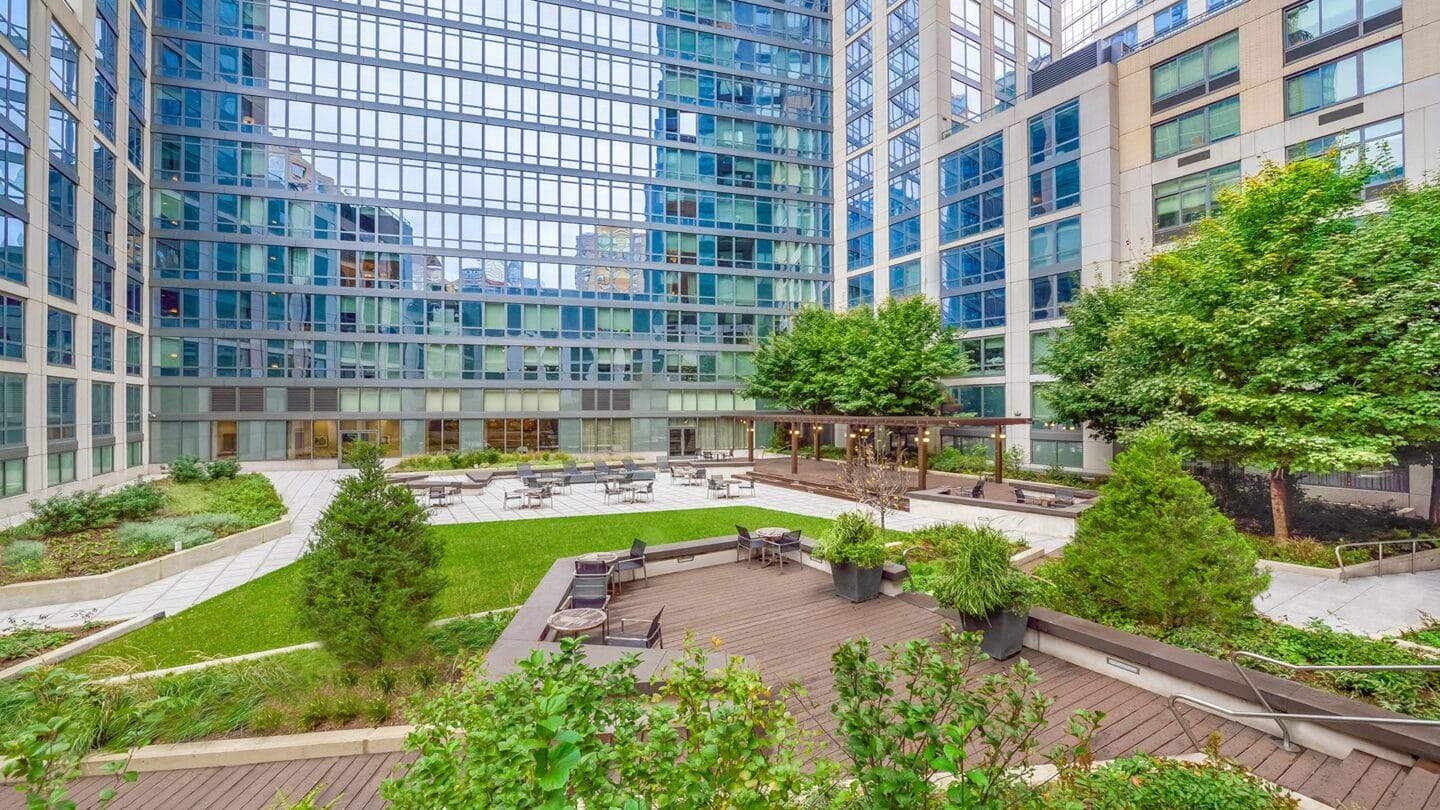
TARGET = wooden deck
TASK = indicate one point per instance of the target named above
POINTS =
(790, 623)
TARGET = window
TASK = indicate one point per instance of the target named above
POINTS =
(905, 236)
(105, 106)
(980, 400)
(102, 459)
(1202, 66)
(102, 347)
(60, 468)
(860, 290)
(1197, 128)
(1004, 34)
(1122, 42)
(12, 179)
(134, 354)
(12, 328)
(1055, 245)
(1057, 452)
(965, 15)
(1004, 81)
(974, 310)
(60, 338)
(965, 57)
(859, 93)
(964, 100)
(15, 23)
(860, 251)
(102, 409)
(904, 20)
(12, 410)
(860, 171)
(860, 211)
(1182, 201)
(857, 15)
(59, 409)
(905, 149)
(905, 106)
(905, 279)
(904, 63)
(60, 269)
(64, 63)
(1040, 347)
(134, 299)
(973, 265)
(905, 192)
(859, 54)
(1170, 18)
(983, 356)
(1037, 13)
(1050, 294)
(1381, 144)
(975, 165)
(972, 215)
(1358, 74)
(62, 135)
(1037, 52)
(1055, 132)
(1314, 19)
(860, 131)
(102, 287)
(12, 247)
(1042, 413)
(1055, 189)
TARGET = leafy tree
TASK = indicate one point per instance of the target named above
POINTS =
(1283, 333)
(885, 361)
(369, 578)
(1155, 550)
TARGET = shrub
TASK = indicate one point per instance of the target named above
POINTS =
(971, 570)
(972, 461)
(186, 470)
(253, 499)
(853, 538)
(63, 514)
(134, 501)
(369, 578)
(267, 720)
(317, 712)
(1155, 550)
(24, 555)
(160, 535)
(1142, 782)
(1303, 551)
(222, 469)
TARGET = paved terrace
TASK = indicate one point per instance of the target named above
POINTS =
(790, 623)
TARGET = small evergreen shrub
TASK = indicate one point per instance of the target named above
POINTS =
(1155, 550)
(370, 576)
(63, 514)
(134, 501)
(24, 555)
(186, 470)
(222, 469)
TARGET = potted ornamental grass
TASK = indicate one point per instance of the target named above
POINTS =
(855, 549)
(974, 577)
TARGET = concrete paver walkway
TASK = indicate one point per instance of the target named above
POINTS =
(1365, 605)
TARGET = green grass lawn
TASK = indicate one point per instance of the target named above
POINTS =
(488, 565)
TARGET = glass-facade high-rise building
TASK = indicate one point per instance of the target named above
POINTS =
(457, 224)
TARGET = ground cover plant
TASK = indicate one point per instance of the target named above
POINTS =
(1427, 633)
(22, 640)
(485, 457)
(89, 533)
(1304, 551)
(486, 566)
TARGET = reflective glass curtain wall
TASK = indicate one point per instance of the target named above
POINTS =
(525, 204)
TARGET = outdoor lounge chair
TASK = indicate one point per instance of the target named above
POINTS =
(576, 476)
(634, 562)
(629, 464)
(523, 469)
(662, 465)
(1064, 496)
(747, 543)
(788, 544)
(590, 591)
(978, 491)
(650, 640)
(601, 468)
(479, 479)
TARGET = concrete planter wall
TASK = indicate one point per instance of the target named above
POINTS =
(113, 583)
(74, 648)
(1398, 563)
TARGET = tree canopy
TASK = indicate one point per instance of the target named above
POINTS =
(1290, 331)
(882, 362)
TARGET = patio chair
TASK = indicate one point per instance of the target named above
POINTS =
(678, 471)
(978, 491)
(601, 468)
(787, 544)
(512, 495)
(529, 480)
(590, 591)
(613, 490)
(438, 497)
(745, 483)
(629, 464)
(576, 476)
(1064, 496)
(523, 469)
(714, 488)
(643, 492)
(583, 567)
(634, 562)
(662, 465)
(748, 543)
(650, 640)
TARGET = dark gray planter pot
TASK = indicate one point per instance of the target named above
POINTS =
(855, 583)
(1004, 633)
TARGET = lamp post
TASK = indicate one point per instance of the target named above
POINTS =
(850, 447)
(999, 437)
(794, 449)
(816, 430)
(924, 455)
(750, 439)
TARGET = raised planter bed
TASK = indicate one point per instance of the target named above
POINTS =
(113, 583)
(79, 645)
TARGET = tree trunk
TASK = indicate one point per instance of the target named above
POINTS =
(1435, 493)
(1280, 502)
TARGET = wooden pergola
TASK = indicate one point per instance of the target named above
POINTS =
(921, 424)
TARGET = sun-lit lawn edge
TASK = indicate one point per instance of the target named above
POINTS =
(488, 565)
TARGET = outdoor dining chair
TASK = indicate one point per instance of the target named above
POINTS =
(714, 487)
(523, 469)
(745, 484)
(787, 544)
(643, 491)
(583, 567)
(438, 497)
(634, 562)
(748, 543)
(651, 639)
(590, 591)
(576, 476)
(512, 495)
(613, 489)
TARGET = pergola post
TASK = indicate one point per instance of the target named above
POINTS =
(850, 446)
(924, 455)
(750, 440)
(816, 429)
(794, 448)
(999, 437)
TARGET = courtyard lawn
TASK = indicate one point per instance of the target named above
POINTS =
(487, 565)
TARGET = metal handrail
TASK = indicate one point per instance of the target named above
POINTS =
(1285, 743)
(1270, 712)
(1413, 541)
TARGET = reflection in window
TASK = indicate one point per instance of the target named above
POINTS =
(1055, 132)
(1197, 128)
(1368, 71)
(1316, 18)
(1184, 200)
(1055, 189)
(983, 356)
(1381, 144)
(64, 63)
(1215, 59)
(860, 290)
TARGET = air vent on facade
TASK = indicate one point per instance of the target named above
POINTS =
(327, 400)
(222, 399)
(587, 399)
(620, 400)
(1063, 70)
(297, 400)
(251, 400)
(1203, 154)
(1343, 112)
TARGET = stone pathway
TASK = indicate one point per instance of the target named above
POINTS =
(1367, 605)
